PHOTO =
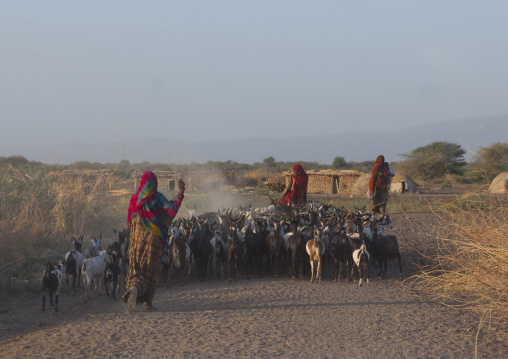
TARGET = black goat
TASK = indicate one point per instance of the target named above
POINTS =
(234, 251)
(340, 253)
(73, 261)
(201, 247)
(384, 247)
(296, 249)
(253, 243)
(111, 278)
(51, 280)
(122, 248)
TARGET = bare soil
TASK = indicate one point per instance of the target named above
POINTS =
(252, 318)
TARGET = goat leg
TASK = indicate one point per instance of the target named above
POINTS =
(353, 273)
(106, 286)
(169, 272)
(181, 275)
(293, 276)
(115, 284)
(367, 272)
(319, 269)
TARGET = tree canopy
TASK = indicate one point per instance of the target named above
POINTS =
(434, 160)
(339, 163)
(492, 159)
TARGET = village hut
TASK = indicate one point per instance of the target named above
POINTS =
(402, 183)
(500, 184)
(329, 181)
(361, 186)
(346, 180)
(165, 179)
(168, 179)
(209, 180)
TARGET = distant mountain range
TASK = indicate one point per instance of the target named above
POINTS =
(361, 146)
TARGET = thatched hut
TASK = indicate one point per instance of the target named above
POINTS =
(361, 186)
(329, 181)
(500, 184)
(402, 183)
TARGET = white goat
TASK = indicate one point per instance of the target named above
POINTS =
(380, 225)
(93, 270)
(95, 249)
(218, 253)
(361, 261)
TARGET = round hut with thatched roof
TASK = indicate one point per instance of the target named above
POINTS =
(500, 184)
(402, 183)
(361, 186)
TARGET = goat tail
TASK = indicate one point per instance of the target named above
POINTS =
(84, 264)
(364, 252)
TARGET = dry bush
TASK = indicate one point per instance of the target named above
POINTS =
(462, 258)
(252, 178)
(38, 214)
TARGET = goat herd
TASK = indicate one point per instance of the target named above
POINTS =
(245, 241)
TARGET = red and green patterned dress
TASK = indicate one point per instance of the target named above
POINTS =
(149, 217)
(379, 184)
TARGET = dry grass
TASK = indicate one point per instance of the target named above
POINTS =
(252, 178)
(462, 258)
(37, 219)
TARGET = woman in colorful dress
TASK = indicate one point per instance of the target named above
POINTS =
(378, 185)
(296, 190)
(149, 217)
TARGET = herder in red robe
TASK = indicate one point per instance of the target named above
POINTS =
(296, 190)
(379, 184)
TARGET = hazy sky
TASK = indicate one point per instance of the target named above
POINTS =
(93, 71)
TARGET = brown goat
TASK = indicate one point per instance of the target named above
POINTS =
(316, 249)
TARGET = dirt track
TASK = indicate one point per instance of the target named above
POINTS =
(256, 318)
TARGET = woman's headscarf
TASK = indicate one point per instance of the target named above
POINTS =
(377, 164)
(156, 219)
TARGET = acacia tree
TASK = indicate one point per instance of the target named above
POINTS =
(492, 159)
(269, 161)
(434, 160)
(339, 163)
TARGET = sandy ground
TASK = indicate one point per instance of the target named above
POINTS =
(256, 318)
